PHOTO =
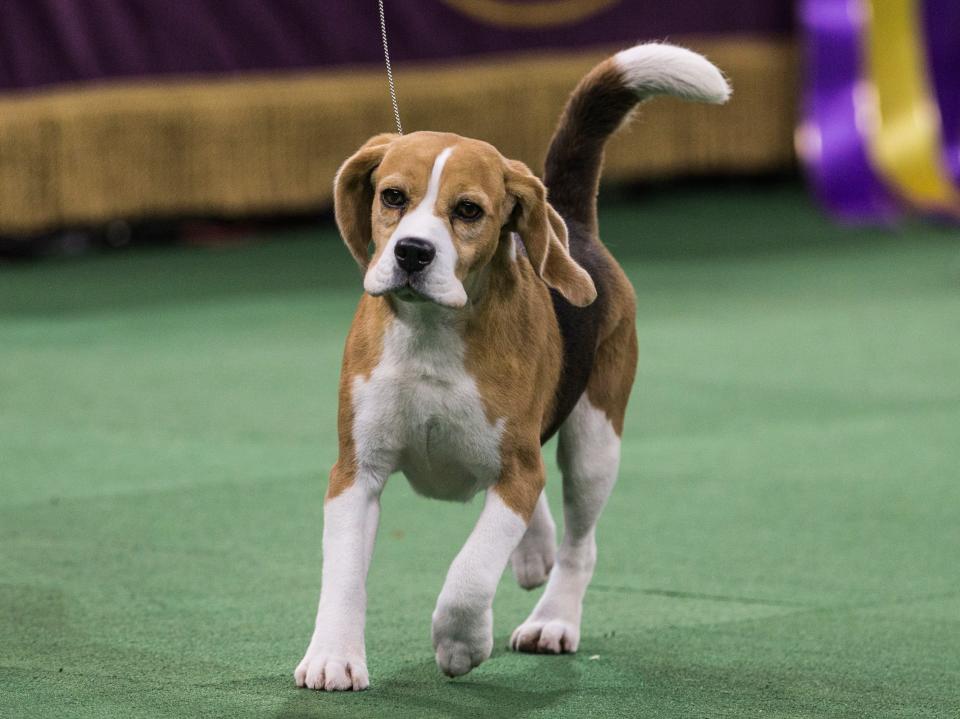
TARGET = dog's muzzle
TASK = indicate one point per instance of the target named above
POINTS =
(415, 269)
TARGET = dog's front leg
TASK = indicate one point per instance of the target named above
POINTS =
(336, 657)
(463, 620)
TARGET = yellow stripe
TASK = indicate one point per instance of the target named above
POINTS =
(905, 140)
(538, 14)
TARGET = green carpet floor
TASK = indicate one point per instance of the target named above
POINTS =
(784, 540)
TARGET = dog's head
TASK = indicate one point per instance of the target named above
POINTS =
(435, 208)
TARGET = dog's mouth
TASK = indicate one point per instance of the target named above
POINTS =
(415, 287)
(408, 293)
(413, 292)
(402, 286)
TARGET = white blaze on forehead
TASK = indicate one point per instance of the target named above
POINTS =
(439, 281)
(423, 221)
(433, 187)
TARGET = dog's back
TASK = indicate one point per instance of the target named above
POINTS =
(596, 108)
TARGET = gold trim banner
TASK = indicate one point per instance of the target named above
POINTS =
(271, 144)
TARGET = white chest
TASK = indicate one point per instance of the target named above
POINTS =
(420, 412)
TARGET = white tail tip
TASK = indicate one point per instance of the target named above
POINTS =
(660, 69)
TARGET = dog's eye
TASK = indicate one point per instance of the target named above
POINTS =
(392, 197)
(468, 211)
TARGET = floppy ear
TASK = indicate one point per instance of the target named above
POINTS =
(544, 236)
(353, 196)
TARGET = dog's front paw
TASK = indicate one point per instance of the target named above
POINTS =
(331, 671)
(462, 639)
(546, 637)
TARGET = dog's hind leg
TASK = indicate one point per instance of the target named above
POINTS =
(589, 456)
(533, 558)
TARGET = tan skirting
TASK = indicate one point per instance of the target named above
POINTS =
(267, 144)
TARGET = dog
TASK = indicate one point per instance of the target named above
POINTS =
(492, 319)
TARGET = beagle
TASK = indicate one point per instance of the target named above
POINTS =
(492, 319)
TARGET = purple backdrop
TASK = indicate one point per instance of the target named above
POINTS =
(47, 42)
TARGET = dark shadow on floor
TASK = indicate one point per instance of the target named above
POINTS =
(420, 690)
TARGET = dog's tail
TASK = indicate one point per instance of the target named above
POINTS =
(600, 103)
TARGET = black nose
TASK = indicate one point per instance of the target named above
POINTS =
(414, 254)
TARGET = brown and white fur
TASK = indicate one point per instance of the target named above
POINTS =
(503, 322)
